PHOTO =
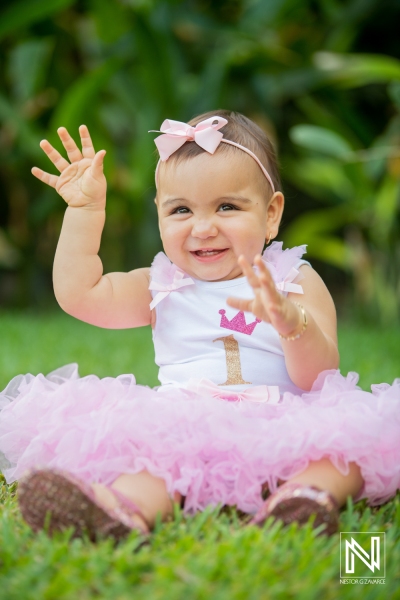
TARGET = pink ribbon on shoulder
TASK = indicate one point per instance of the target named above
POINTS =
(164, 289)
(287, 286)
(260, 394)
(176, 133)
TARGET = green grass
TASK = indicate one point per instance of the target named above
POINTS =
(209, 556)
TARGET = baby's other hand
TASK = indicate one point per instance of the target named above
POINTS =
(81, 181)
(268, 304)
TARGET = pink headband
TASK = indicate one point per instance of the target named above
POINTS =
(205, 134)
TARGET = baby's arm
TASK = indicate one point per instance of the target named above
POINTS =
(114, 300)
(315, 350)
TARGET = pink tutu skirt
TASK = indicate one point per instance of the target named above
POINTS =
(210, 450)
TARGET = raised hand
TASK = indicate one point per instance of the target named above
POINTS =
(81, 181)
(268, 304)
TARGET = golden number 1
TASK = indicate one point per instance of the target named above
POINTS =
(232, 356)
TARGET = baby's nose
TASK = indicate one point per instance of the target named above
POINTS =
(204, 228)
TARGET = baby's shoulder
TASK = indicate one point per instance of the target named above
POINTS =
(311, 282)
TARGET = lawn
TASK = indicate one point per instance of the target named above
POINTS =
(212, 555)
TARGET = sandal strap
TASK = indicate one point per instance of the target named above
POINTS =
(126, 505)
(319, 495)
(311, 494)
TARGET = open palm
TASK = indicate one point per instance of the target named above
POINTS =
(81, 182)
(268, 304)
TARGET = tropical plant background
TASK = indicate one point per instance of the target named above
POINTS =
(321, 76)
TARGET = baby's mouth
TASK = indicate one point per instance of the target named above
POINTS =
(209, 252)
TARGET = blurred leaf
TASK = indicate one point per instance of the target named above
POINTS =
(332, 250)
(321, 140)
(25, 12)
(140, 159)
(158, 68)
(212, 80)
(259, 14)
(27, 66)
(141, 5)
(26, 132)
(111, 19)
(387, 205)
(322, 178)
(394, 92)
(319, 222)
(287, 84)
(318, 112)
(9, 255)
(80, 98)
(355, 70)
(316, 227)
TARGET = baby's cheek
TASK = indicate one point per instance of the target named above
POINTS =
(255, 246)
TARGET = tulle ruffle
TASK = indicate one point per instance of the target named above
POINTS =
(163, 270)
(208, 449)
(281, 261)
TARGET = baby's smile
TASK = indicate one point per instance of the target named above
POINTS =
(209, 254)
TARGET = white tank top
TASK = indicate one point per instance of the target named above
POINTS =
(197, 336)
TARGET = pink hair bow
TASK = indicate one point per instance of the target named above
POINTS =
(163, 290)
(176, 133)
(287, 286)
(260, 394)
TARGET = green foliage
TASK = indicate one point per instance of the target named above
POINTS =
(307, 72)
(360, 230)
(27, 12)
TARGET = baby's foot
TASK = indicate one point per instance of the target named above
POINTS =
(297, 502)
(109, 497)
(56, 500)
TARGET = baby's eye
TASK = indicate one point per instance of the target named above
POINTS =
(225, 207)
(181, 210)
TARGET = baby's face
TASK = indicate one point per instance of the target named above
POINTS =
(213, 208)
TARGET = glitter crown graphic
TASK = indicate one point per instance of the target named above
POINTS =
(238, 323)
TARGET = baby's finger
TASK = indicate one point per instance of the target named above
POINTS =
(97, 164)
(87, 144)
(51, 180)
(248, 271)
(266, 280)
(74, 154)
(240, 303)
(58, 161)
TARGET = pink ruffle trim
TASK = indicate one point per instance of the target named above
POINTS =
(99, 428)
(162, 269)
(279, 261)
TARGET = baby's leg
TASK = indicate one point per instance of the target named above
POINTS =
(325, 475)
(149, 493)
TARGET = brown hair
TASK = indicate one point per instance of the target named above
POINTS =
(241, 130)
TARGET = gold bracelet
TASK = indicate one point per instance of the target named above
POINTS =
(290, 338)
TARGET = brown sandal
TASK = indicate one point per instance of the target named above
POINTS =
(57, 500)
(297, 502)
